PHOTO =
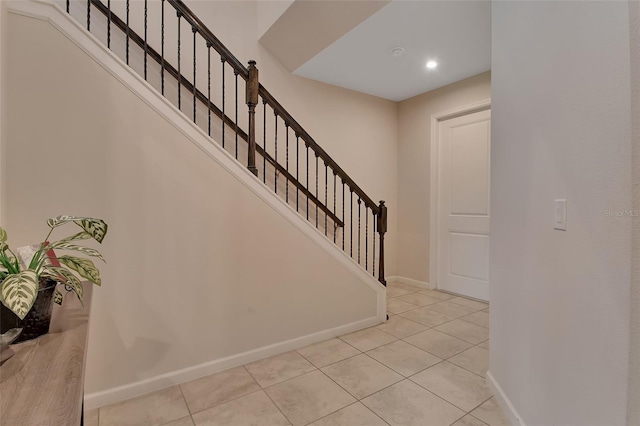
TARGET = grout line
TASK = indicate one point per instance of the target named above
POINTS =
(184, 398)
(392, 369)
(482, 421)
(443, 398)
(276, 405)
(469, 412)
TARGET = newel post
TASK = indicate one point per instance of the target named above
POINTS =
(382, 229)
(253, 86)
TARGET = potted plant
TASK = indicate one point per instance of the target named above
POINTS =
(23, 284)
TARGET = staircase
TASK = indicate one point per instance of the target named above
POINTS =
(191, 68)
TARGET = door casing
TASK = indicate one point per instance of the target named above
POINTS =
(482, 105)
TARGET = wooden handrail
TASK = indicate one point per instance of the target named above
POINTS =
(153, 54)
(254, 90)
(225, 53)
(197, 24)
(299, 130)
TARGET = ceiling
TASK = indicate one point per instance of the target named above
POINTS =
(456, 34)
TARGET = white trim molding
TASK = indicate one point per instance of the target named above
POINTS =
(433, 187)
(163, 381)
(504, 402)
(409, 281)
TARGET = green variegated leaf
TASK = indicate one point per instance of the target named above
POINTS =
(3, 235)
(63, 245)
(3, 246)
(82, 235)
(65, 277)
(84, 267)
(57, 297)
(19, 291)
(61, 220)
(97, 228)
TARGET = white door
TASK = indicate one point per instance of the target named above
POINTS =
(463, 204)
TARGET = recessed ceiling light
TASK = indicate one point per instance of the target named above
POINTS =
(432, 64)
(397, 51)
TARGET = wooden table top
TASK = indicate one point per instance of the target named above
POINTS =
(42, 384)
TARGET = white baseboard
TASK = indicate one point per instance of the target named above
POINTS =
(504, 402)
(110, 396)
(409, 281)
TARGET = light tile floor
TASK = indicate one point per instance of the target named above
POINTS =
(425, 366)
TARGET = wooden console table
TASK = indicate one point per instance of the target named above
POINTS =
(42, 384)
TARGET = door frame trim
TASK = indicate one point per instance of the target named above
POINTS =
(436, 118)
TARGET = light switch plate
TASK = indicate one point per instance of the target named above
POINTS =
(560, 214)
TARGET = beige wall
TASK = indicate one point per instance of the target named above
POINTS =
(307, 27)
(268, 13)
(3, 38)
(359, 131)
(633, 411)
(561, 129)
(414, 134)
(199, 267)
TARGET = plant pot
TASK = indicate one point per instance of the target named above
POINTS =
(37, 321)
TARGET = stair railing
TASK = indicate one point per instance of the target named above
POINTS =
(221, 124)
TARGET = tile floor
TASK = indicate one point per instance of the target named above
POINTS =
(425, 366)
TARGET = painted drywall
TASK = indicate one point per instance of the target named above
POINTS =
(268, 13)
(3, 38)
(414, 134)
(200, 268)
(633, 410)
(561, 129)
(306, 28)
(359, 131)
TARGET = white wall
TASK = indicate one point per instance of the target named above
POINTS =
(561, 129)
(414, 157)
(200, 268)
(633, 411)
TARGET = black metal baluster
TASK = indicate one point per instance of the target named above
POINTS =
(108, 23)
(209, 84)
(275, 157)
(335, 228)
(373, 260)
(344, 223)
(145, 40)
(127, 55)
(359, 235)
(326, 189)
(236, 122)
(67, 6)
(264, 140)
(195, 32)
(366, 236)
(89, 15)
(351, 225)
(223, 100)
(307, 145)
(317, 197)
(297, 168)
(286, 126)
(162, 49)
(179, 73)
